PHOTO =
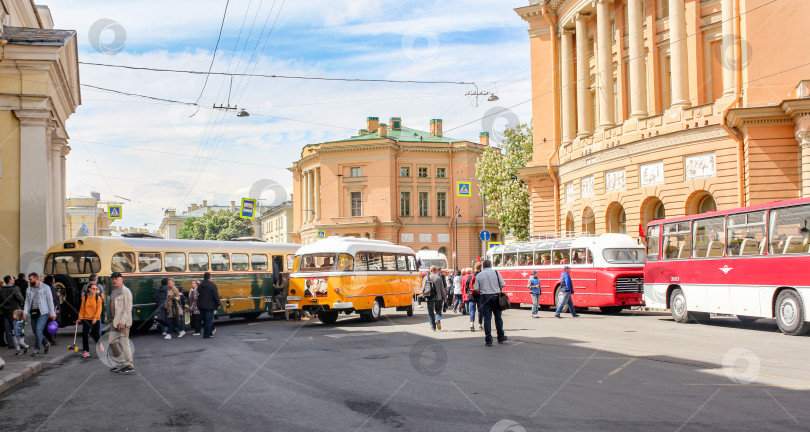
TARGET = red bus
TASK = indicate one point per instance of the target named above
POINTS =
(751, 262)
(607, 271)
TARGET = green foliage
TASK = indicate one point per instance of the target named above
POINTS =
(507, 198)
(216, 225)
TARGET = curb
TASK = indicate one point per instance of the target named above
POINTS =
(29, 370)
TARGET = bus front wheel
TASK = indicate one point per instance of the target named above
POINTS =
(677, 304)
(559, 296)
(328, 317)
(790, 314)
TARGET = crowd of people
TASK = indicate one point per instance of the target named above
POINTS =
(477, 289)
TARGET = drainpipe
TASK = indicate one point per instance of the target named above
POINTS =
(731, 132)
(556, 81)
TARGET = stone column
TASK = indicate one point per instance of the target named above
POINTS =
(728, 57)
(63, 168)
(305, 196)
(58, 204)
(311, 194)
(36, 231)
(569, 113)
(638, 76)
(803, 136)
(604, 64)
(678, 54)
(317, 194)
(584, 104)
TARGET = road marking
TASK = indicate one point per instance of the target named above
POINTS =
(619, 369)
(254, 340)
(344, 335)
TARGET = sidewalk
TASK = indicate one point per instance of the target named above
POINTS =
(22, 367)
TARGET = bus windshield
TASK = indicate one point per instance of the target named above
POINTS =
(426, 263)
(623, 256)
(78, 262)
(317, 262)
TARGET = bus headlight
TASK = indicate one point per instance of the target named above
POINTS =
(292, 291)
(337, 290)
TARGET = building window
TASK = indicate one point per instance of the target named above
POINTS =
(441, 172)
(612, 31)
(404, 171)
(404, 203)
(423, 172)
(663, 9)
(357, 204)
(423, 204)
(441, 204)
(355, 172)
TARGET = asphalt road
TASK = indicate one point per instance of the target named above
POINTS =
(397, 375)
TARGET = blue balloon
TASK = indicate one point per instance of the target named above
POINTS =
(52, 327)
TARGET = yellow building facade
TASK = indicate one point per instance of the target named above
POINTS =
(39, 90)
(394, 183)
(90, 212)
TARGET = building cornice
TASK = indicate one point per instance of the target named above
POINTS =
(741, 118)
(539, 172)
(648, 145)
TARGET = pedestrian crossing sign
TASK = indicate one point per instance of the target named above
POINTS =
(492, 244)
(321, 234)
(114, 211)
(463, 189)
(248, 209)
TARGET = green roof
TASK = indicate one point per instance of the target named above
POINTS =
(405, 134)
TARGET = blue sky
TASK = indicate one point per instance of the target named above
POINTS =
(158, 155)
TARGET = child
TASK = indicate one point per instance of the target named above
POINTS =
(18, 334)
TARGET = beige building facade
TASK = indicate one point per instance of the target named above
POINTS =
(276, 224)
(393, 183)
(92, 213)
(645, 109)
(173, 221)
(39, 90)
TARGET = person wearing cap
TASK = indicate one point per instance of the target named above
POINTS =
(568, 289)
(121, 311)
(534, 289)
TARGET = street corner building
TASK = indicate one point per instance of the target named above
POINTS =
(39, 90)
(394, 183)
(645, 109)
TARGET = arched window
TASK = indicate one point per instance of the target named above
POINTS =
(617, 219)
(569, 223)
(700, 202)
(443, 250)
(707, 204)
(588, 221)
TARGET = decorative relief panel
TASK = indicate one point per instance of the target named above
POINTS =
(587, 187)
(406, 238)
(443, 238)
(700, 166)
(651, 174)
(615, 180)
(425, 238)
(569, 192)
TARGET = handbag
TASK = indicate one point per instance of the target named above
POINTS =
(503, 299)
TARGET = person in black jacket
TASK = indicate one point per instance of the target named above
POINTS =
(208, 303)
(22, 283)
(10, 300)
(161, 296)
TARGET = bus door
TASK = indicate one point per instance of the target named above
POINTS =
(279, 282)
(708, 247)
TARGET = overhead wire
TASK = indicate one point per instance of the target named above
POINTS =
(214, 56)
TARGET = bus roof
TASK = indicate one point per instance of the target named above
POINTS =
(179, 245)
(765, 206)
(352, 245)
(430, 254)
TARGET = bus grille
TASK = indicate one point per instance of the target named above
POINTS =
(630, 284)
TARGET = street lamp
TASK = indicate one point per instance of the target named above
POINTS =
(457, 211)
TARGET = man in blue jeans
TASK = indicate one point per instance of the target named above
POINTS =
(40, 306)
(534, 289)
(568, 289)
(489, 283)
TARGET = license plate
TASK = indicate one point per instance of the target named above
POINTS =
(291, 306)
(293, 298)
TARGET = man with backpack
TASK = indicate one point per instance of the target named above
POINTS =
(435, 292)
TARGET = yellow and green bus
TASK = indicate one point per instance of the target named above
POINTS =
(252, 276)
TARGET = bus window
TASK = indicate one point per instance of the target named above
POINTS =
(543, 257)
(652, 243)
(362, 262)
(525, 258)
(374, 261)
(497, 260)
(510, 259)
(258, 262)
(296, 263)
(239, 262)
(412, 263)
(677, 240)
(561, 256)
(123, 262)
(623, 256)
(578, 256)
(318, 262)
(746, 234)
(709, 237)
(73, 263)
(175, 261)
(402, 262)
(389, 262)
(790, 230)
(290, 261)
(590, 256)
(149, 262)
(198, 262)
(220, 262)
(345, 262)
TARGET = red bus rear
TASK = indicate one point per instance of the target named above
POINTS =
(607, 271)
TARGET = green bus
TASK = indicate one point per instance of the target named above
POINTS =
(252, 276)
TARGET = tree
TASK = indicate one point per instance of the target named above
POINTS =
(507, 197)
(216, 225)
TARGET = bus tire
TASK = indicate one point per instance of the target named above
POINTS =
(789, 312)
(409, 311)
(747, 319)
(375, 311)
(558, 298)
(611, 309)
(328, 317)
(677, 305)
(251, 316)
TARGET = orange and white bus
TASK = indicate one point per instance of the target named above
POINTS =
(347, 274)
